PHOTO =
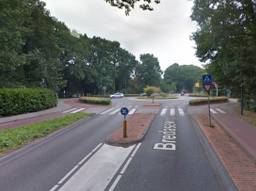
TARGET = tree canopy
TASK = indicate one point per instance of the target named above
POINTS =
(37, 50)
(130, 4)
(226, 41)
(183, 76)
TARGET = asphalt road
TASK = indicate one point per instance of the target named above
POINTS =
(77, 158)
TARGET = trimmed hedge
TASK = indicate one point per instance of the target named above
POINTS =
(15, 101)
(198, 95)
(205, 101)
(95, 100)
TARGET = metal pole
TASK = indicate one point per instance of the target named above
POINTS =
(124, 128)
(242, 99)
(209, 109)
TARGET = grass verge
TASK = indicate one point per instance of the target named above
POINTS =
(14, 138)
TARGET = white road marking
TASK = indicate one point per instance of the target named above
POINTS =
(115, 183)
(124, 168)
(115, 111)
(104, 112)
(132, 111)
(76, 111)
(172, 112)
(98, 171)
(69, 110)
(220, 110)
(163, 112)
(75, 168)
(54, 188)
(181, 112)
(213, 111)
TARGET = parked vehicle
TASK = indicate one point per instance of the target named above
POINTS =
(117, 95)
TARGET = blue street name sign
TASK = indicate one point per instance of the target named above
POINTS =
(207, 79)
(124, 111)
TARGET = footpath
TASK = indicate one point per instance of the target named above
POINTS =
(234, 141)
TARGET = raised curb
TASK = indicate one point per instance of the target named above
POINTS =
(116, 138)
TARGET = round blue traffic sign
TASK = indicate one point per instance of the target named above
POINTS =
(124, 111)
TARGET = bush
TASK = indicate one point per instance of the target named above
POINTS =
(131, 95)
(198, 95)
(15, 101)
(95, 100)
(205, 101)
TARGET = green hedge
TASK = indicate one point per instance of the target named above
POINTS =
(205, 101)
(15, 101)
(198, 95)
(96, 100)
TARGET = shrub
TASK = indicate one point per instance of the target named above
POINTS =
(131, 95)
(95, 100)
(205, 101)
(15, 101)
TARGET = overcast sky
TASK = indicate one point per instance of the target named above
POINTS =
(164, 32)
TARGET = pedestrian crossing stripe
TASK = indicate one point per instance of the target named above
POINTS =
(220, 110)
(172, 112)
(181, 112)
(78, 110)
(69, 110)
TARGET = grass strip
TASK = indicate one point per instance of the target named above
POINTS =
(14, 138)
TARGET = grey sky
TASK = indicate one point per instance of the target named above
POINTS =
(163, 32)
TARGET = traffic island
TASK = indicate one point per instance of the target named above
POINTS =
(137, 127)
(241, 168)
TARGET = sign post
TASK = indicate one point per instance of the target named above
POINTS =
(124, 111)
(207, 84)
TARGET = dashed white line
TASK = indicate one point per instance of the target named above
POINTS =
(163, 112)
(220, 110)
(76, 111)
(181, 112)
(172, 112)
(69, 110)
(213, 111)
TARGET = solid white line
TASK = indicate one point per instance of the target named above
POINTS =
(103, 166)
(75, 167)
(54, 188)
(76, 111)
(136, 149)
(172, 112)
(132, 111)
(163, 112)
(220, 110)
(114, 112)
(213, 111)
(125, 166)
(115, 183)
(68, 174)
(104, 112)
(181, 112)
(69, 110)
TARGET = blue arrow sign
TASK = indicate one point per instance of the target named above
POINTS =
(207, 79)
(124, 111)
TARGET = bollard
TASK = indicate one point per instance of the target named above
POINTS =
(124, 128)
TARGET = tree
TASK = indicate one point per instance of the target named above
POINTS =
(130, 4)
(184, 76)
(149, 71)
(226, 40)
